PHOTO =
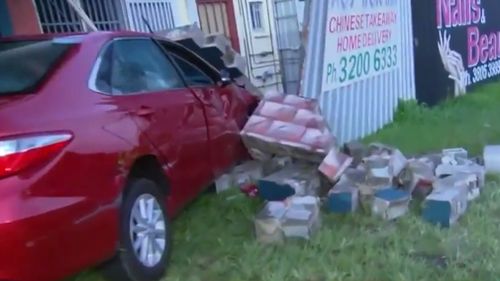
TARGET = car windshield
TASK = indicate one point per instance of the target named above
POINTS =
(24, 64)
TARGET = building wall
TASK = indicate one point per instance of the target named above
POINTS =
(23, 17)
(5, 21)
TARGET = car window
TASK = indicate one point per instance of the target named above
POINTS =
(192, 74)
(25, 64)
(135, 66)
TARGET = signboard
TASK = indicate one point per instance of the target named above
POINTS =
(363, 40)
(468, 41)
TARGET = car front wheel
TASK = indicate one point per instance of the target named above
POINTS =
(144, 235)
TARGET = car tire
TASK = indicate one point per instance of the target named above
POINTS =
(144, 235)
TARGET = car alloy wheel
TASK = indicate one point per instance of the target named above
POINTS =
(147, 230)
(144, 235)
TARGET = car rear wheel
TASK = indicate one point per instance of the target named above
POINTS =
(144, 235)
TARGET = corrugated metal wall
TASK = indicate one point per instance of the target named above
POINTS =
(363, 107)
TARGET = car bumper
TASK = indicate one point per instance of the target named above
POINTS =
(32, 229)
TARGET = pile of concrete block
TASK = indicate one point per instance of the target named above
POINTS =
(215, 49)
(296, 158)
(382, 179)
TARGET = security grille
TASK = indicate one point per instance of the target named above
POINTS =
(57, 16)
(158, 14)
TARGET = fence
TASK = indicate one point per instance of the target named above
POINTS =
(359, 74)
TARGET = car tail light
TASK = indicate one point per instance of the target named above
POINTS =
(20, 153)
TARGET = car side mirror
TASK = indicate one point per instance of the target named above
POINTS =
(225, 77)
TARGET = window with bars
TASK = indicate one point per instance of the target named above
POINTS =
(256, 15)
(57, 16)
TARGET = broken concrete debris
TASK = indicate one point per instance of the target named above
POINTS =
(391, 203)
(246, 173)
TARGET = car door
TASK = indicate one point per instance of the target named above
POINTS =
(146, 85)
(220, 103)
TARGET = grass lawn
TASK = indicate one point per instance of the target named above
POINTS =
(214, 237)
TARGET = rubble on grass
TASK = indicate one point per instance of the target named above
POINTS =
(299, 157)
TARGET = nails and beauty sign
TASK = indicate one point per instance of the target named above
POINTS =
(363, 40)
(469, 40)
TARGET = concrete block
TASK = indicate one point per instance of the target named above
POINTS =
(191, 36)
(460, 180)
(390, 203)
(356, 150)
(302, 218)
(463, 167)
(378, 166)
(416, 173)
(334, 164)
(268, 222)
(457, 152)
(248, 172)
(445, 206)
(491, 156)
(343, 198)
(296, 179)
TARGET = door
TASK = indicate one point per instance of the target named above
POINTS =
(217, 16)
(148, 86)
(260, 49)
(223, 108)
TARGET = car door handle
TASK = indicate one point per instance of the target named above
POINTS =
(144, 111)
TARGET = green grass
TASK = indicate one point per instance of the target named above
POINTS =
(214, 236)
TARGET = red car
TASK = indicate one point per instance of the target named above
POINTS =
(103, 137)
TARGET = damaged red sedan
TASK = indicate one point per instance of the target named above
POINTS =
(104, 137)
